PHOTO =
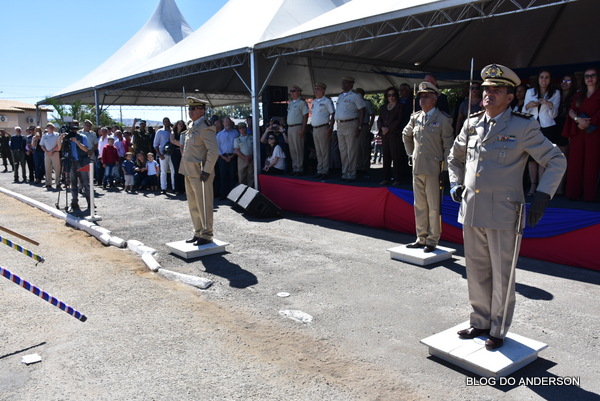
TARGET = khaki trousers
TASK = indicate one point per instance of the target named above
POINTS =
(52, 162)
(296, 148)
(426, 189)
(322, 145)
(488, 255)
(245, 172)
(348, 142)
(363, 161)
(193, 192)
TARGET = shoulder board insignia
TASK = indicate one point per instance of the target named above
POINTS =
(477, 114)
(207, 122)
(522, 115)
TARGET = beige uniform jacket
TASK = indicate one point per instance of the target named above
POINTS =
(200, 147)
(428, 142)
(491, 168)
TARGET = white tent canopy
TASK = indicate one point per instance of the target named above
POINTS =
(218, 45)
(165, 28)
(380, 43)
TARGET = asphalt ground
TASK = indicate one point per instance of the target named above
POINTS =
(149, 338)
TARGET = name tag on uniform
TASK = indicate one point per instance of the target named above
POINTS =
(506, 138)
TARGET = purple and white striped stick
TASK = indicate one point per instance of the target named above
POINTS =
(42, 294)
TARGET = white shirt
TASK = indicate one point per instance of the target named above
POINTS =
(297, 109)
(545, 115)
(348, 105)
(322, 109)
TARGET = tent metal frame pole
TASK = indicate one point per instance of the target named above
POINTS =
(269, 75)
(96, 103)
(183, 117)
(255, 116)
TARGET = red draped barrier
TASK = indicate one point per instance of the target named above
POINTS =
(377, 207)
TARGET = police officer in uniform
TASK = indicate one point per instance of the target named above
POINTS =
(486, 165)
(427, 137)
(199, 155)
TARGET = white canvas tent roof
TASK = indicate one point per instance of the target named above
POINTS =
(217, 45)
(165, 28)
(381, 43)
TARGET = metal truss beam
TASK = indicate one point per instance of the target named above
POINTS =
(409, 23)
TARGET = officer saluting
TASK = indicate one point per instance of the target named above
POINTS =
(199, 155)
(486, 165)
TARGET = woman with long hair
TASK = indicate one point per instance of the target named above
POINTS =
(175, 139)
(275, 162)
(542, 101)
(584, 139)
(518, 102)
(389, 125)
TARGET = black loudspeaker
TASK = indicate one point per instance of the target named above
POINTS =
(274, 102)
(237, 192)
(253, 202)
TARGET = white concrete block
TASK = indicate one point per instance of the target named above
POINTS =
(416, 256)
(142, 249)
(471, 354)
(133, 244)
(104, 238)
(118, 242)
(195, 281)
(150, 262)
(189, 251)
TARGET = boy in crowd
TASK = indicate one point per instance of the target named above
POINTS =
(153, 170)
(110, 157)
(128, 171)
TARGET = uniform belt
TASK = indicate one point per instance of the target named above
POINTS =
(227, 154)
(294, 125)
(319, 126)
(345, 121)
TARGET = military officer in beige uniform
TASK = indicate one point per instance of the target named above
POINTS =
(486, 165)
(427, 137)
(297, 118)
(199, 155)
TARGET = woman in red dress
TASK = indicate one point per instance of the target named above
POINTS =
(584, 147)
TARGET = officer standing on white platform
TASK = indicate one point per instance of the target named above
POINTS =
(199, 155)
(427, 137)
(486, 165)
(349, 115)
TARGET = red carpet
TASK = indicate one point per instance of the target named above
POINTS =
(378, 207)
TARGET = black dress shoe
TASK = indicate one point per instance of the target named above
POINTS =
(429, 248)
(415, 245)
(193, 239)
(473, 332)
(493, 342)
(202, 241)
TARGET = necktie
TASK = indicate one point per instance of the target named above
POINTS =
(488, 126)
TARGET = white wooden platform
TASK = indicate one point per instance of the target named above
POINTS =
(416, 256)
(517, 352)
(190, 251)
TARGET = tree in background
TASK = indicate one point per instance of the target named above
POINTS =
(79, 112)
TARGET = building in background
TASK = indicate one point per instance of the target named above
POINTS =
(14, 113)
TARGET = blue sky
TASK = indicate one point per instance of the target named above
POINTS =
(47, 45)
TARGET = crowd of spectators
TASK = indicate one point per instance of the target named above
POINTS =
(317, 137)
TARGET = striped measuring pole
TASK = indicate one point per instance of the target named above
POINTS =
(19, 248)
(42, 294)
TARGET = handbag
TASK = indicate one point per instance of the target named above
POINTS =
(591, 128)
(168, 149)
